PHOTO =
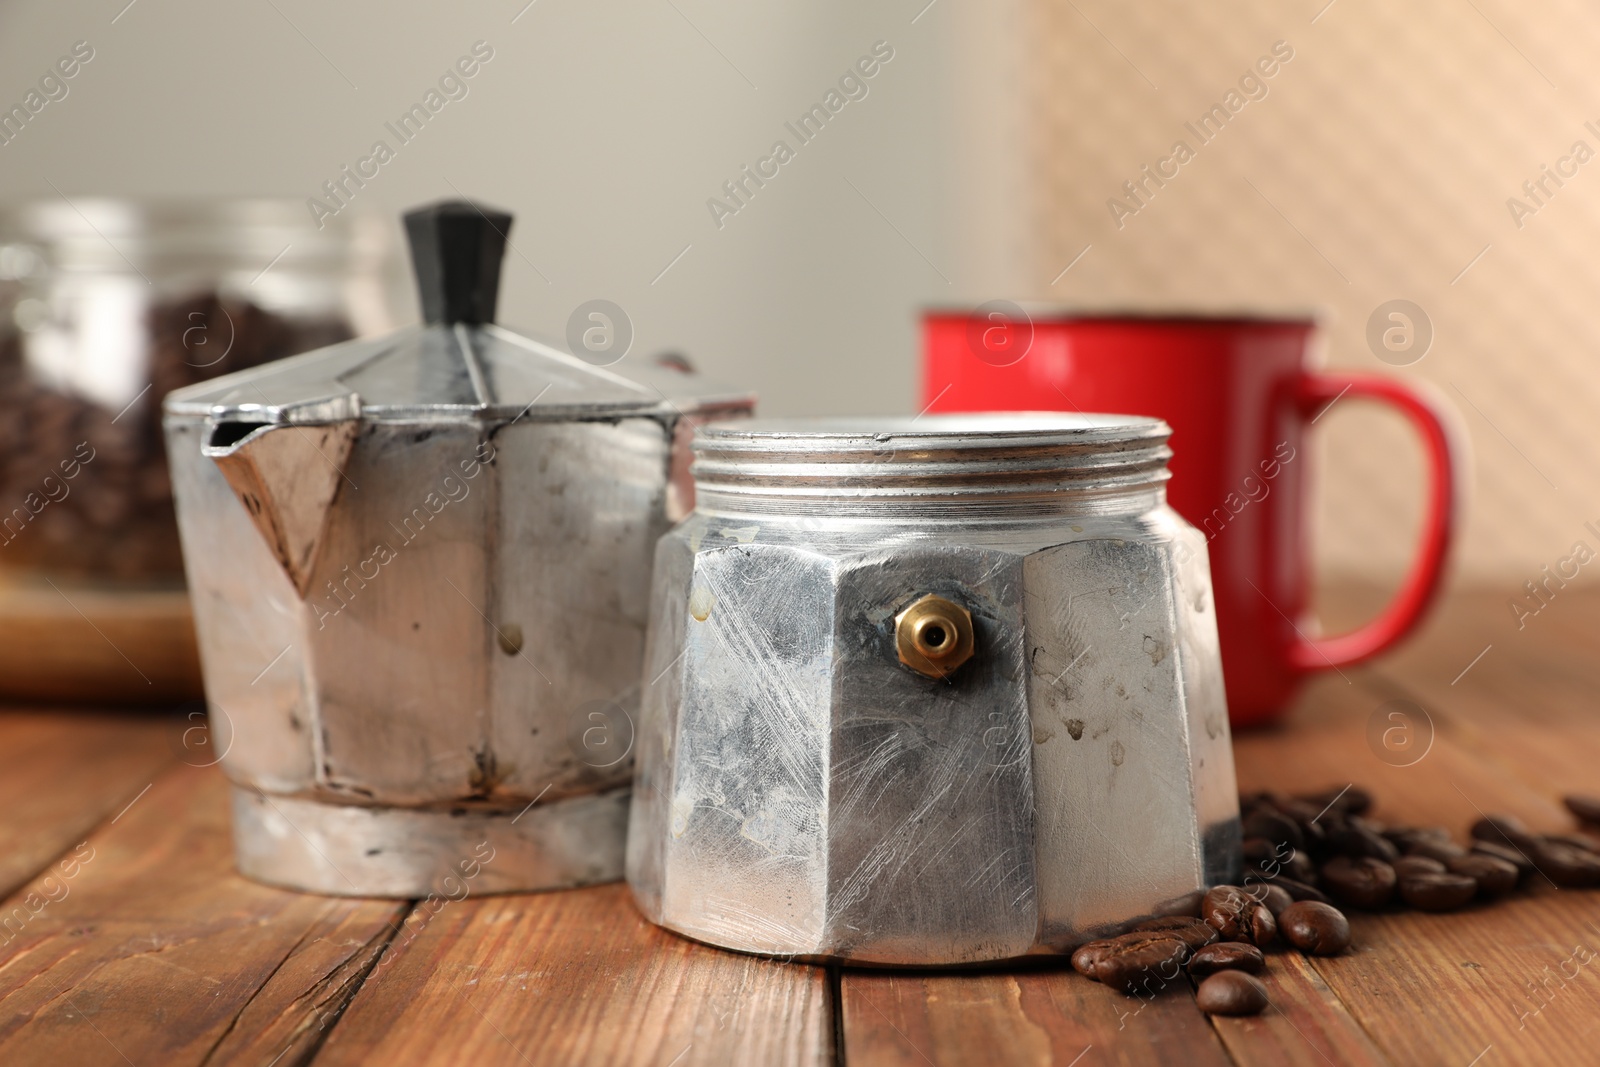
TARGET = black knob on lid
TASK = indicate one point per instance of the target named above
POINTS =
(456, 249)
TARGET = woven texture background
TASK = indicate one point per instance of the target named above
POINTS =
(1377, 166)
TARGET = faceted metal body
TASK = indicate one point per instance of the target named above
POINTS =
(430, 639)
(802, 791)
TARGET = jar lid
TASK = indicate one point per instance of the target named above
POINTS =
(157, 236)
(457, 362)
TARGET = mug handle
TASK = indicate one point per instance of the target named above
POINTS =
(1417, 593)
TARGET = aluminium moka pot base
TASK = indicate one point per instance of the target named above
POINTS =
(1043, 955)
(929, 694)
(348, 850)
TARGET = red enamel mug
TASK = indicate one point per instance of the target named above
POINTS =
(1240, 395)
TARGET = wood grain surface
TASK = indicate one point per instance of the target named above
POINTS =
(63, 773)
(576, 977)
(143, 946)
(1049, 1017)
(1437, 988)
(153, 951)
(1306, 1022)
(1491, 985)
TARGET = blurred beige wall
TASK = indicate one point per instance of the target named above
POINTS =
(606, 126)
(1377, 166)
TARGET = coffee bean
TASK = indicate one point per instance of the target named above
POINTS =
(1165, 923)
(1299, 867)
(1361, 883)
(1258, 850)
(1566, 865)
(1586, 808)
(1296, 865)
(1358, 841)
(1273, 826)
(1221, 907)
(1356, 800)
(1496, 825)
(1305, 813)
(1086, 958)
(1369, 824)
(1312, 819)
(1406, 866)
(1142, 966)
(1273, 896)
(1319, 929)
(1351, 800)
(1302, 890)
(1495, 878)
(1517, 859)
(1231, 993)
(1443, 851)
(1577, 841)
(1504, 830)
(1317, 833)
(1406, 836)
(1437, 892)
(1257, 926)
(1194, 932)
(1237, 916)
(1226, 956)
(1316, 837)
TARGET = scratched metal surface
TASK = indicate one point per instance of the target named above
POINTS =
(802, 793)
(469, 638)
(248, 622)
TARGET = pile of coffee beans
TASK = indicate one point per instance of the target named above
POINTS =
(1304, 855)
(1325, 847)
(85, 487)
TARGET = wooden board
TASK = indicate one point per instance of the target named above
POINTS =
(1527, 706)
(1437, 988)
(576, 977)
(1306, 1022)
(956, 1019)
(63, 773)
(146, 948)
(71, 643)
(159, 953)
(1055, 1016)
(1026, 1017)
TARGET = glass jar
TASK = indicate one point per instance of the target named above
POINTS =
(108, 305)
(105, 307)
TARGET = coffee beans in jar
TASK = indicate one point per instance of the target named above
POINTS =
(84, 488)
(107, 305)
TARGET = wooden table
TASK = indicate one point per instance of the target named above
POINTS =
(136, 943)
